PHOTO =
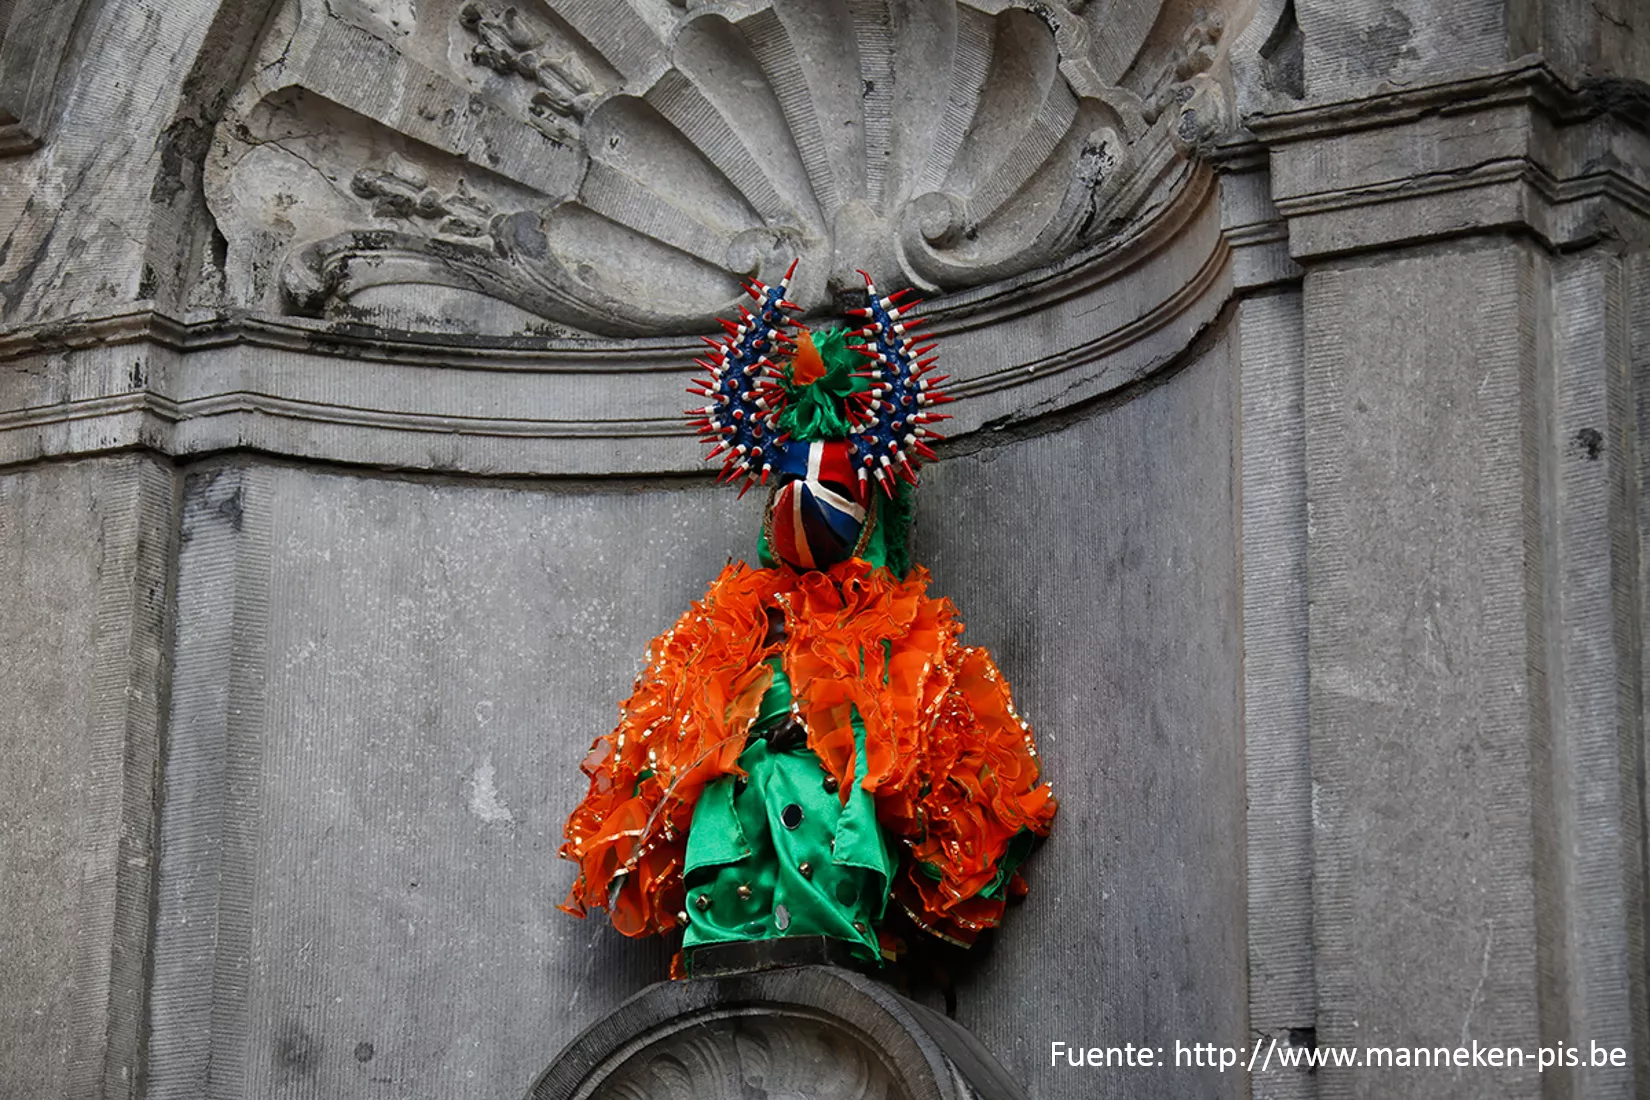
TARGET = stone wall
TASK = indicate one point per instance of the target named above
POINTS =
(1297, 482)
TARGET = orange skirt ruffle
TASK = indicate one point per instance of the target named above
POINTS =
(952, 766)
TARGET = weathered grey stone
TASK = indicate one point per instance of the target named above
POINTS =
(1277, 758)
(388, 683)
(1518, 148)
(1421, 651)
(1113, 610)
(384, 689)
(1298, 480)
(528, 405)
(84, 635)
(1358, 47)
(796, 1031)
(33, 40)
(614, 169)
(1596, 877)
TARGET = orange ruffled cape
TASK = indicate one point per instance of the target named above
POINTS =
(953, 768)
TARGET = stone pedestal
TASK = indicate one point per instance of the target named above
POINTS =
(814, 1031)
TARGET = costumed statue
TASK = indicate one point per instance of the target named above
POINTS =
(811, 740)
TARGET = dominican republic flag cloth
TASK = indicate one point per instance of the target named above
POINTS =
(816, 518)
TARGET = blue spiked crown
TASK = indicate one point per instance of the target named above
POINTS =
(768, 364)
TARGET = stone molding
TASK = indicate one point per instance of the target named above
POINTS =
(807, 1030)
(1516, 148)
(354, 393)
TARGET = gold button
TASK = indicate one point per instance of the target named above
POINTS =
(744, 891)
(702, 902)
(806, 868)
(831, 784)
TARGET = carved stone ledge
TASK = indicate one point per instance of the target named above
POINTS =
(579, 406)
(1538, 156)
(804, 1031)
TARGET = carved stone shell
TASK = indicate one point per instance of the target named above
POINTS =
(619, 168)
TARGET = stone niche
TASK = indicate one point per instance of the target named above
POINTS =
(357, 332)
(1296, 481)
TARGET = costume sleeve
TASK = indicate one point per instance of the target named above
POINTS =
(953, 766)
(980, 808)
(683, 726)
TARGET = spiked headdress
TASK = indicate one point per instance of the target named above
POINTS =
(769, 365)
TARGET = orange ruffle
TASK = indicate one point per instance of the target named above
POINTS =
(953, 768)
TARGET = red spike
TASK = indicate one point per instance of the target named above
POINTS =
(897, 295)
(925, 349)
(912, 304)
(731, 328)
(792, 269)
(924, 450)
(937, 399)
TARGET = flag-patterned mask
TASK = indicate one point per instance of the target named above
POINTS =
(817, 517)
(829, 416)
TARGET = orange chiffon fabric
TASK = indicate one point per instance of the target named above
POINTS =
(952, 766)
